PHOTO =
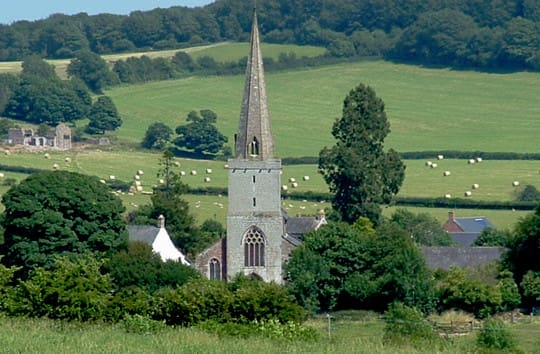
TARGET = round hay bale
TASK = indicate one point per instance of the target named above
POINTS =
(433, 165)
(467, 194)
(112, 178)
(1, 175)
(440, 157)
(140, 172)
(177, 164)
(7, 152)
(472, 161)
(226, 166)
(478, 159)
(305, 178)
(207, 180)
(429, 163)
(103, 181)
(67, 159)
(447, 196)
(139, 188)
(193, 173)
(284, 188)
(137, 183)
(475, 186)
(182, 173)
(294, 185)
(446, 173)
(292, 179)
(55, 166)
(47, 155)
(161, 181)
(137, 177)
(208, 171)
(515, 183)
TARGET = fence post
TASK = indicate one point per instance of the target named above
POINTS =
(472, 326)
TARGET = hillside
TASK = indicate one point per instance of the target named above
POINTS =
(429, 109)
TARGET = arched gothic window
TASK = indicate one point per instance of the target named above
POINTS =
(215, 269)
(254, 245)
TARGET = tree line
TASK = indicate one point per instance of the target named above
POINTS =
(485, 34)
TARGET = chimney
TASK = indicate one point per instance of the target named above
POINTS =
(451, 216)
(161, 221)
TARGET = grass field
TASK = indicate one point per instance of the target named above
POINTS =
(429, 109)
(221, 52)
(493, 177)
(346, 336)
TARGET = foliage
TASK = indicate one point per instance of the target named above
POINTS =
(41, 97)
(457, 290)
(529, 193)
(92, 70)
(201, 134)
(342, 267)
(71, 289)
(496, 335)
(194, 302)
(255, 300)
(140, 267)
(493, 238)
(103, 116)
(8, 296)
(157, 136)
(407, 325)
(510, 298)
(357, 170)
(531, 287)
(8, 85)
(423, 228)
(55, 213)
(524, 247)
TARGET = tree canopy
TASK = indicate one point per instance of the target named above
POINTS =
(103, 116)
(54, 213)
(92, 70)
(357, 169)
(343, 266)
(200, 135)
(157, 136)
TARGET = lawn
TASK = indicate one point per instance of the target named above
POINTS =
(429, 109)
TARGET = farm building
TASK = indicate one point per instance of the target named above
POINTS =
(58, 138)
(260, 235)
(158, 238)
(465, 230)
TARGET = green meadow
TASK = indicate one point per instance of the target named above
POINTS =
(429, 109)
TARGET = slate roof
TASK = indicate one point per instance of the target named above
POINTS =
(301, 225)
(473, 224)
(445, 257)
(143, 233)
(464, 238)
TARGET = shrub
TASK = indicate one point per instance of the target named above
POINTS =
(406, 324)
(71, 290)
(129, 301)
(496, 335)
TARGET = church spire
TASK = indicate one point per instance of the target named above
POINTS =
(254, 139)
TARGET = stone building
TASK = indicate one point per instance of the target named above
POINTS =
(57, 138)
(257, 241)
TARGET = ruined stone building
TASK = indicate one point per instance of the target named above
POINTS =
(57, 138)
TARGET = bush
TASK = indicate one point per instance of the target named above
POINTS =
(496, 335)
(71, 290)
(272, 329)
(406, 324)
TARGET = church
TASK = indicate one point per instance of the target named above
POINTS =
(260, 234)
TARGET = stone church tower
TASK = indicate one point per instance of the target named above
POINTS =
(254, 221)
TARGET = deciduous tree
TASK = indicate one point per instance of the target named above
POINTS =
(157, 136)
(56, 213)
(200, 135)
(103, 116)
(357, 169)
